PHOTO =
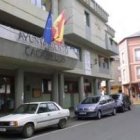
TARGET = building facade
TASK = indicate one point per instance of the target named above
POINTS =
(129, 50)
(116, 75)
(32, 71)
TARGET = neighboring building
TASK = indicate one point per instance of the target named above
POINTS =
(30, 71)
(116, 75)
(129, 50)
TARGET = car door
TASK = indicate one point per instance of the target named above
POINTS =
(126, 101)
(54, 112)
(43, 116)
(110, 104)
(103, 105)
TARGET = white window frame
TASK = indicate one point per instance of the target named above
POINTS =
(138, 72)
(137, 54)
(36, 3)
(87, 18)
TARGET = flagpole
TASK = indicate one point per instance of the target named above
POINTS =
(50, 6)
(68, 19)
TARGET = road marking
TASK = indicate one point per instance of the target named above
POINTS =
(59, 130)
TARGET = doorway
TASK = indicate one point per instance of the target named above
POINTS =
(7, 94)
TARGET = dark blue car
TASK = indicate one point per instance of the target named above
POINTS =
(123, 101)
(95, 106)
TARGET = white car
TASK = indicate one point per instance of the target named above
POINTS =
(32, 116)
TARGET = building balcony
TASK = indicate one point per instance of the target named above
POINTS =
(20, 48)
(23, 15)
(31, 19)
(96, 9)
(86, 37)
(111, 45)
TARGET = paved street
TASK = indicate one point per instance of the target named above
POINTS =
(123, 126)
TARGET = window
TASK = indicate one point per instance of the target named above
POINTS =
(43, 4)
(124, 75)
(26, 108)
(106, 63)
(71, 86)
(138, 72)
(137, 54)
(75, 49)
(122, 58)
(52, 107)
(87, 19)
(103, 62)
(37, 3)
(43, 108)
(87, 86)
(47, 107)
(87, 1)
(91, 100)
(111, 41)
(46, 86)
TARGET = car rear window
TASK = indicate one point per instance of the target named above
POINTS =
(90, 100)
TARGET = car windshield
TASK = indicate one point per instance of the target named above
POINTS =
(90, 100)
(115, 97)
(26, 108)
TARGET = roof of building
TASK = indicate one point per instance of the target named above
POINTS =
(137, 34)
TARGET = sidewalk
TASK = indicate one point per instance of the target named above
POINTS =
(136, 101)
(72, 115)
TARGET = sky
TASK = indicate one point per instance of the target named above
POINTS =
(124, 16)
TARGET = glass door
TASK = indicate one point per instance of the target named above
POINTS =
(6, 94)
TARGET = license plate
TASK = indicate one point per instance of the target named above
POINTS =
(2, 129)
(82, 113)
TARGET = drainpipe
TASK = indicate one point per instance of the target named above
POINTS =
(129, 66)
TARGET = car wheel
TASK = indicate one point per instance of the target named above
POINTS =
(62, 123)
(114, 111)
(79, 118)
(129, 107)
(122, 108)
(28, 130)
(99, 115)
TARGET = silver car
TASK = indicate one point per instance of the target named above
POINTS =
(95, 106)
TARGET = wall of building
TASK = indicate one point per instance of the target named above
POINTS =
(133, 43)
(95, 33)
(124, 62)
(24, 10)
(23, 52)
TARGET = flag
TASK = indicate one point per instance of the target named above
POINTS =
(47, 35)
(58, 28)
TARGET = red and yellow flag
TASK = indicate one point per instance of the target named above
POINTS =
(58, 28)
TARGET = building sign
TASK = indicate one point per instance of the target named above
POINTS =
(38, 48)
(39, 43)
(40, 53)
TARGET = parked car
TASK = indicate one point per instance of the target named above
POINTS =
(29, 117)
(95, 106)
(123, 101)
